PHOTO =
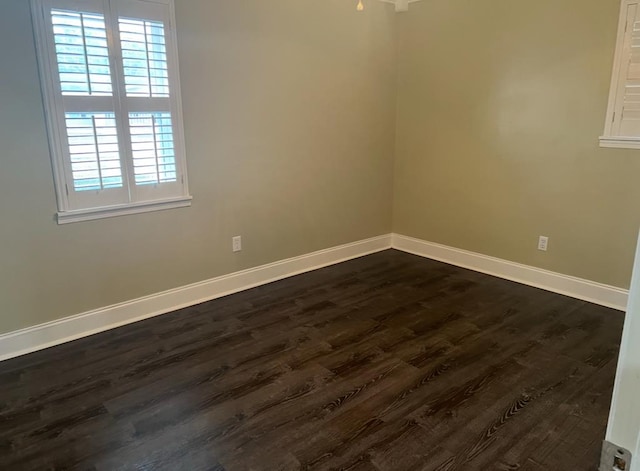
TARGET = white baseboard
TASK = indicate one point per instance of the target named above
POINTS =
(31, 339)
(579, 288)
(71, 328)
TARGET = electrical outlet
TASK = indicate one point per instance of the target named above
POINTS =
(237, 244)
(543, 243)
(614, 458)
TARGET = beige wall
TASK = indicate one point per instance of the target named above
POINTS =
(291, 128)
(290, 125)
(501, 103)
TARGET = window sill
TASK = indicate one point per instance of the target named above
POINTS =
(69, 217)
(620, 142)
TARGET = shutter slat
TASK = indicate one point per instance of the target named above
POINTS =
(634, 72)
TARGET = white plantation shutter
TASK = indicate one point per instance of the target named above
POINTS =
(622, 128)
(82, 53)
(628, 101)
(153, 149)
(147, 64)
(94, 151)
(110, 79)
(144, 57)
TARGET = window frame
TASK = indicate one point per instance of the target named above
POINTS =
(153, 197)
(616, 91)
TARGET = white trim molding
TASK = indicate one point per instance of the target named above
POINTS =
(31, 339)
(597, 293)
(68, 217)
(401, 5)
(620, 142)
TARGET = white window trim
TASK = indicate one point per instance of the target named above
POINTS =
(122, 210)
(47, 67)
(609, 137)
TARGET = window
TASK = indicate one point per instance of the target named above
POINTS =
(622, 128)
(112, 97)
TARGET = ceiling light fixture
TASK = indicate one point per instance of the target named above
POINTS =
(401, 5)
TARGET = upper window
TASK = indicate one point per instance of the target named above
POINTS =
(622, 128)
(110, 79)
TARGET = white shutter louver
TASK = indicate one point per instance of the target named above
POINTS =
(82, 53)
(153, 150)
(629, 124)
(146, 77)
(622, 126)
(94, 152)
(144, 57)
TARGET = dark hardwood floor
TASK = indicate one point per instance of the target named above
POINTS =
(388, 362)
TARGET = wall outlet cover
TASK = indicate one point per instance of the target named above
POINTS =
(614, 458)
(543, 243)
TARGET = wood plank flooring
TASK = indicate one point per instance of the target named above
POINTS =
(388, 362)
